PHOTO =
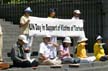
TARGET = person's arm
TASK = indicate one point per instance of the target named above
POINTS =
(96, 49)
(23, 23)
(41, 53)
(54, 44)
(63, 54)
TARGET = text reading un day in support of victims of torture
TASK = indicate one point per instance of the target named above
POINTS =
(45, 24)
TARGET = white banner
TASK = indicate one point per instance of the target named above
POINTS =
(56, 27)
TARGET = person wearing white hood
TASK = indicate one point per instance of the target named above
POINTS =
(99, 50)
(24, 29)
(81, 51)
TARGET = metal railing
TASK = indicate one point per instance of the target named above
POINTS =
(91, 10)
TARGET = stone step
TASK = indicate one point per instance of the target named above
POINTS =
(47, 68)
(97, 68)
(11, 29)
(6, 23)
(7, 39)
(9, 25)
(20, 69)
(1, 20)
(7, 59)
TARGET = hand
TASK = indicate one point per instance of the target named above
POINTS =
(50, 43)
(53, 44)
(67, 54)
(28, 21)
(26, 49)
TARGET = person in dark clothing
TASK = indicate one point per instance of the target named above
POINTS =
(18, 54)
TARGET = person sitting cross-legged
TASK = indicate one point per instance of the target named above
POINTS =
(48, 52)
(65, 54)
(18, 54)
(99, 50)
(82, 53)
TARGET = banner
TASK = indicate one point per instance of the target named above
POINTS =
(56, 27)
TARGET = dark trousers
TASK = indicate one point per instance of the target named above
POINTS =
(104, 58)
(25, 64)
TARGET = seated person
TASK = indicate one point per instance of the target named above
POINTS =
(18, 54)
(65, 54)
(99, 50)
(48, 52)
(81, 51)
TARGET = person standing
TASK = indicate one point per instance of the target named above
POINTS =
(52, 14)
(1, 43)
(3, 65)
(24, 29)
(75, 18)
(76, 15)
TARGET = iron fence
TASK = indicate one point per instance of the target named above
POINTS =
(91, 10)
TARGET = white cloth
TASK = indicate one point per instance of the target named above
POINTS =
(75, 18)
(54, 39)
(55, 61)
(48, 50)
(91, 58)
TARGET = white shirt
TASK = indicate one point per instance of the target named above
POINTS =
(48, 50)
(75, 18)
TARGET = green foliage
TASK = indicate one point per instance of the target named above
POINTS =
(17, 1)
(25, 1)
